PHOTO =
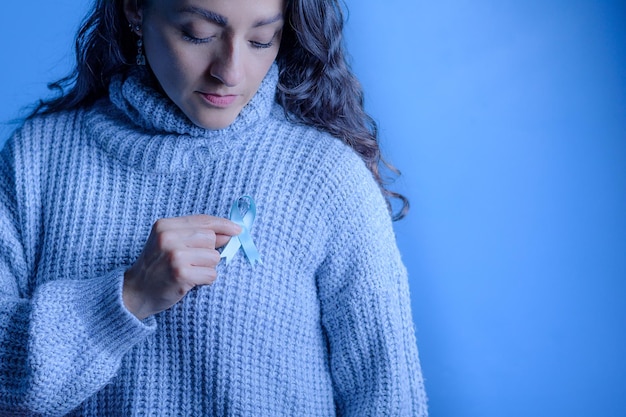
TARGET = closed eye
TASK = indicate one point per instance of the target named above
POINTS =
(261, 45)
(189, 38)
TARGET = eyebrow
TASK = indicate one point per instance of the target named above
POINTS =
(268, 21)
(222, 20)
(207, 14)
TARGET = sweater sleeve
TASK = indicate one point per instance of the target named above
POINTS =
(365, 304)
(62, 341)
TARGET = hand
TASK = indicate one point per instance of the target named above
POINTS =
(180, 253)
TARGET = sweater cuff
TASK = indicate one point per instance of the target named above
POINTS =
(90, 313)
(112, 327)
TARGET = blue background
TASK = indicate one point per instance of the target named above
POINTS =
(508, 120)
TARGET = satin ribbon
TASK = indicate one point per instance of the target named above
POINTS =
(243, 240)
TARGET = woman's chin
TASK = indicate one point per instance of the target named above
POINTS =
(214, 122)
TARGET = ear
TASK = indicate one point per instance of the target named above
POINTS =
(134, 13)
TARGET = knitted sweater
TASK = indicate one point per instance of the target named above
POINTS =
(322, 327)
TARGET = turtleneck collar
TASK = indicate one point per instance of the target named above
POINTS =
(144, 129)
(137, 97)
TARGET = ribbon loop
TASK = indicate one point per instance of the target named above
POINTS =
(244, 239)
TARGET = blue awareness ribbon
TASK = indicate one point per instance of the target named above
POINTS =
(243, 240)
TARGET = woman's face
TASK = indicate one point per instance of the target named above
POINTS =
(210, 56)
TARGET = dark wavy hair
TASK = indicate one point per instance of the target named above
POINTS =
(316, 86)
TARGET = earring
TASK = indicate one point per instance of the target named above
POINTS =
(141, 58)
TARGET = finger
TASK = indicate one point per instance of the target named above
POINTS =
(222, 240)
(208, 240)
(219, 225)
(172, 223)
(193, 231)
(182, 259)
(169, 233)
(176, 239)
(202, 275)
(201, 239)
(204, 258)
(197, 221)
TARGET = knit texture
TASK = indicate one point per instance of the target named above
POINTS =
(322, 327)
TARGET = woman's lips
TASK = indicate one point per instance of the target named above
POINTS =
(219, 100)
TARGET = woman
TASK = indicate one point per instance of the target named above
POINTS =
(182, 114)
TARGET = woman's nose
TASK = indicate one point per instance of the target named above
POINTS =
(228, 64)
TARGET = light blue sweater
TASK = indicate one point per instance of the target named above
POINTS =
(322, 327)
